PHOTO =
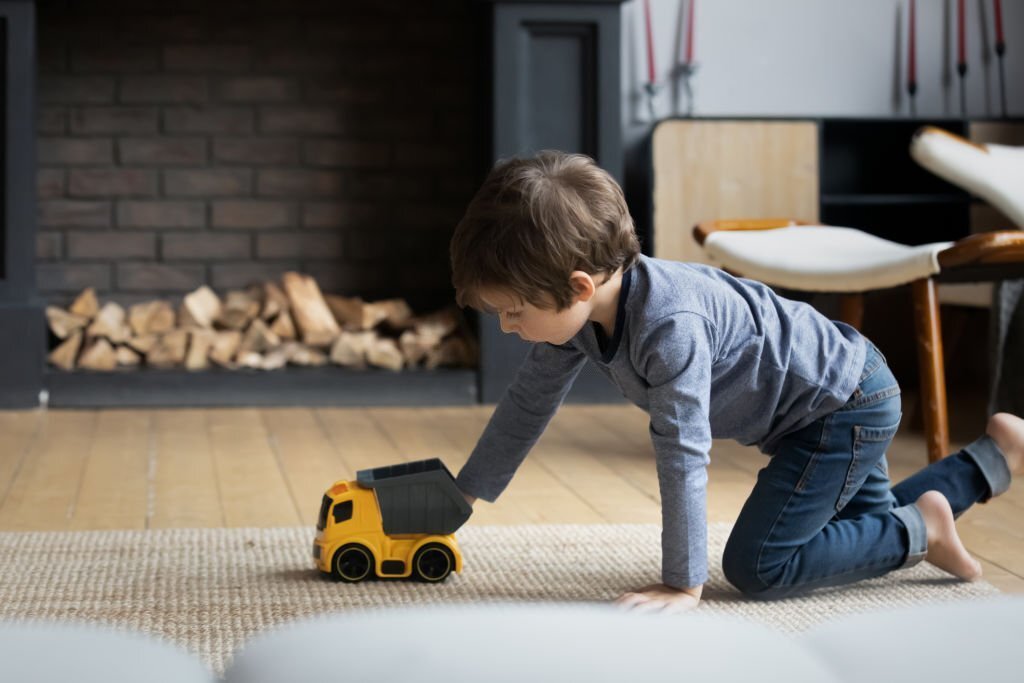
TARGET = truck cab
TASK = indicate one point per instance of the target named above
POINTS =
(392, 522)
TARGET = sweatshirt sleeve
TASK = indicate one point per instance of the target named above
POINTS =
(675, 359)
(540, 385)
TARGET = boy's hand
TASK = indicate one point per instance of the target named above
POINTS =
(661, 598)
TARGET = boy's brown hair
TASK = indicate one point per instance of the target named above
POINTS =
(536, 220)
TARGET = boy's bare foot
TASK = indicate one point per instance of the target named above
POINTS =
(1008, 432)
(945, 550)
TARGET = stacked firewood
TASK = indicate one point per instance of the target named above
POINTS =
(266, 327)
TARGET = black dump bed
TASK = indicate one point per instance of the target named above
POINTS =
(417, 497)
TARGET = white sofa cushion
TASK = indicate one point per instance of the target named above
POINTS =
(48, 652)
(513, 644)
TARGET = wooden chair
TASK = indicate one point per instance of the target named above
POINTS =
(820, 258)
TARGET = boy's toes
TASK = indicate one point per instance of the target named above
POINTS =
(1008, 432)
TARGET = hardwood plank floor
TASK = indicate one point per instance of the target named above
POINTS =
(267, 467)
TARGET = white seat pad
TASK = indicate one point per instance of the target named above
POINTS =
(992, 172)
(822, 258)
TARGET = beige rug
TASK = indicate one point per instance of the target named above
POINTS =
(211, 589)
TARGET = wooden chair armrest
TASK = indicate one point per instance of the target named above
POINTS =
(705, 228)
(1003, 246)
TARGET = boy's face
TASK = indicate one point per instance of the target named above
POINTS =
(532, 323)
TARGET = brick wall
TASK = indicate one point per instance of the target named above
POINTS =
(183, 143)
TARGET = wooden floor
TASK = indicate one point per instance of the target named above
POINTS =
(151, 469)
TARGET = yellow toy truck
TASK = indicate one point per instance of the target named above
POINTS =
(392, 522)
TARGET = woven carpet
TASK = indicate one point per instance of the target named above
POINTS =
(209, 590)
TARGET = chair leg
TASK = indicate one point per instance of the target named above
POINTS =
(851, 309)
(933, 375)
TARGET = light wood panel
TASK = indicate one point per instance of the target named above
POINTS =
(44, 490)
(115, 481)
(309, 463)
(252, 486)
(18, 429)
(186, 492)
(706, 170)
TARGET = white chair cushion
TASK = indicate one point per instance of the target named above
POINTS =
(993, 172)
(822, 258)
(969, 294)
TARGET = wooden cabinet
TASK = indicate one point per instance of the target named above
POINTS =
(706, 169)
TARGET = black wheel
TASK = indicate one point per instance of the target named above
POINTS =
(352, 563)
(433, 563)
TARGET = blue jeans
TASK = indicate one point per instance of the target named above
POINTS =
(822, 512)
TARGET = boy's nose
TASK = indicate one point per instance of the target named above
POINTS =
(505, 327)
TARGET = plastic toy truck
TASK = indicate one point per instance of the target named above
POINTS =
(392, 522)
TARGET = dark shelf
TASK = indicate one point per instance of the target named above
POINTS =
(872, 157)
(326, 386)
(891, 199)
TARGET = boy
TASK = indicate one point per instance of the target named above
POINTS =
(548, 244)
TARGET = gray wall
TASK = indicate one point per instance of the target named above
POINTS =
(820, 57)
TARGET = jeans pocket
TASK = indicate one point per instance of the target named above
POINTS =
(869, 446)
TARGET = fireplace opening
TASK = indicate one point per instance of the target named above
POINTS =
(189, 150)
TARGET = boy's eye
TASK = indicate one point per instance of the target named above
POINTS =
(512, 314)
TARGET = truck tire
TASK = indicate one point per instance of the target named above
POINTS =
(352, 563)
(433, 563)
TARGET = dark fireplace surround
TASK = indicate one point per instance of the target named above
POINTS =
(221, 146)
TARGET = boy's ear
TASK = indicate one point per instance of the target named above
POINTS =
(582, 284)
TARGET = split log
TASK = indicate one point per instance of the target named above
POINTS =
(109, 323)
(126, 357)
(275, 302)
(258, 338)
(225, 346)
(86, 304)
(143, 344)
(187, 321)
(438, 324)
(394, 312)
(153, 317)
(415, 346)
(276, 359)
(99, 355)
(169, 350)
(65, 354)
(283, 326)
(250, 359)
(352, 313)
(384, 353)
(426, 334)
(300, 354)
(239, 309)
(350, 348)
(453, 351)
(347, 311)
(199, 309)
(63, 323)
(198, 357)
(312, 316)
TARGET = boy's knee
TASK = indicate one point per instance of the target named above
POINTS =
(741, 570)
